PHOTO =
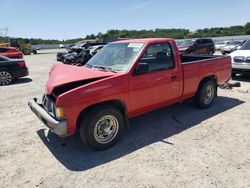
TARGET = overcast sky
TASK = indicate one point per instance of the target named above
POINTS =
(67, 19)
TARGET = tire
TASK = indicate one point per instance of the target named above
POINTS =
(210, 52)
(34, 51)
(5, 77)
(95, 122)
(205, 94)
(26, 51)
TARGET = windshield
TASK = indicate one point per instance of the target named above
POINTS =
(116, 57)
(183, 43)
(234, 43)
(76, 46)
(221, 42)
(246, 46)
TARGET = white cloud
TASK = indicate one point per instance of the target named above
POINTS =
(139, 6)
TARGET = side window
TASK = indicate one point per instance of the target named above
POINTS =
(198, 42)
(2, 58)
(206, 41)
(3, 50)
(157, 57)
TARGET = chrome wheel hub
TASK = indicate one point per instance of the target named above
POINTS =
(209, 94)
(5, 78)
(106, 129)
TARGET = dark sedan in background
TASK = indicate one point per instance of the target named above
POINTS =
(10, 69)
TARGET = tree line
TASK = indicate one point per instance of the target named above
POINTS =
(153, 33)
(175, 33)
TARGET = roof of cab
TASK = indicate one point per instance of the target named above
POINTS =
(145, 40)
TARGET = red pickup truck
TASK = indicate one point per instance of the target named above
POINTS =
(125, 79)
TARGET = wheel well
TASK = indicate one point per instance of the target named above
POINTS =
(212, 77)
(115, 103)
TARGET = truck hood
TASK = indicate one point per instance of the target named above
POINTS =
(240, 53)
(62, 75)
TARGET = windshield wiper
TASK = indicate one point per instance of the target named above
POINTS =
(105, 68)
(89, 66)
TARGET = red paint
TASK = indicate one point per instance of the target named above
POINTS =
(12, 53)
(22, 64)
(139, 94)
(61, 74)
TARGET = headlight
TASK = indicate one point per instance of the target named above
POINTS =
(59, 112)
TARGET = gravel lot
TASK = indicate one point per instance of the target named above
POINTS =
(177, 146)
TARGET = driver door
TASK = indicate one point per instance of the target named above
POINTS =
(158, 83)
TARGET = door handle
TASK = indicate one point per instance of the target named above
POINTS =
(173, 77)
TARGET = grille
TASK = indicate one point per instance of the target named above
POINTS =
(48, 103)
(242, 59)
(239, 59)
(248, 60)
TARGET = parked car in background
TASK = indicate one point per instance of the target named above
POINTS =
(76, 48)
(220, 44)
(11, 52)
(198, 46)
(61, 46)
(82, 58)
(94, 49)
(11, 69)
(231, 46)
(123, 80)
(241, 59)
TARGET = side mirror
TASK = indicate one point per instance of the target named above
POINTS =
(141, 68)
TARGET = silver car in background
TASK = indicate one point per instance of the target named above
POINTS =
(220, 44)
(232, 46)
(241, 59)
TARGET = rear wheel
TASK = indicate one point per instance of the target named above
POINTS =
(205, 94)
(210, 52)
(34, 51)
(26, 51)
(5, 78)
(102, 127)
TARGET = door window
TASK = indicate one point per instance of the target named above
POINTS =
(158, 57)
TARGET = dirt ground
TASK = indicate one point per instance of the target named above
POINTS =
(177, 146)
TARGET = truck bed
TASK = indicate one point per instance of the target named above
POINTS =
(196, 67)
(194, 58)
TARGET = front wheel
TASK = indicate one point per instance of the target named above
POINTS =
(102, 127)
(205, 94)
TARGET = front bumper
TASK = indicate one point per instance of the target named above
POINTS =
(59, 127)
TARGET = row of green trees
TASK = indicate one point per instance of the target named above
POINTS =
(34, 41)
(171, 33)
(175, 33)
